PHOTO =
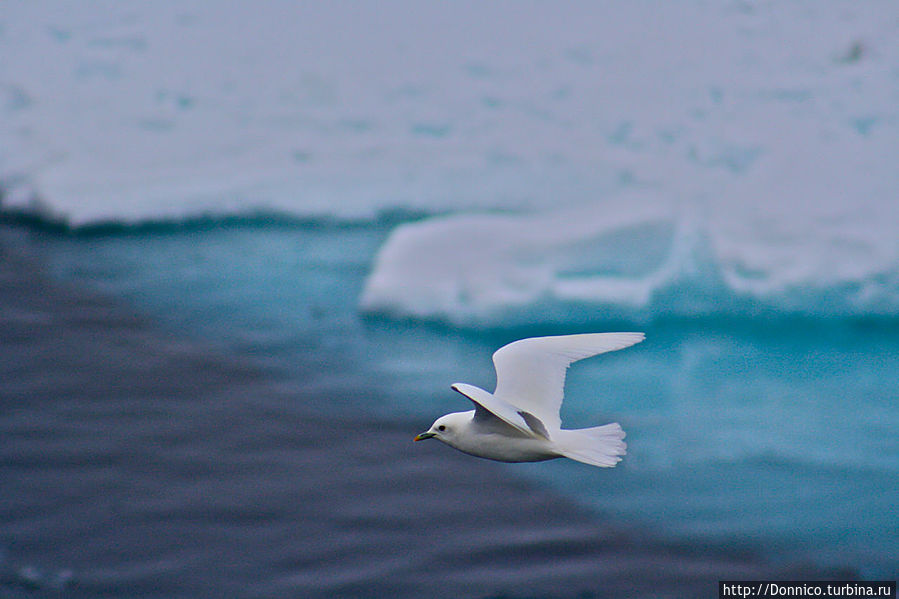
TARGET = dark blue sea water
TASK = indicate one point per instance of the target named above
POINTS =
(777, 435)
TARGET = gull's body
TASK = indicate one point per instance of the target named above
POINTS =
(519, 421)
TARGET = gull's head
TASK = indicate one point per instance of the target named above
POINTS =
(446, 427)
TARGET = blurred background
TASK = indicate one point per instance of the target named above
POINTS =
(229, 228)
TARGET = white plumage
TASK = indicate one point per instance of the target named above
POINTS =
(520, 421)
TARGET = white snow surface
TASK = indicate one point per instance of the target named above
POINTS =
(584, 152)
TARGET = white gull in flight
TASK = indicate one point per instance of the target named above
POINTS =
(519, 421)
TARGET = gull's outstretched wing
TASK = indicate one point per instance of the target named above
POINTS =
(486, 401)
(530, 373)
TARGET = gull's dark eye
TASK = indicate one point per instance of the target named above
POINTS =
(441, 428)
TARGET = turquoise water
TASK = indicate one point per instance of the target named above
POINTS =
(775, 433)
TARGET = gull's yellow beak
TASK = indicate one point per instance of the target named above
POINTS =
(424, 436)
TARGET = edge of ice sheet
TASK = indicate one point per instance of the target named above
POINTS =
(631, 259)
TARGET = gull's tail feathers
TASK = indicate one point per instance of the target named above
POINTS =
(598, 446)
